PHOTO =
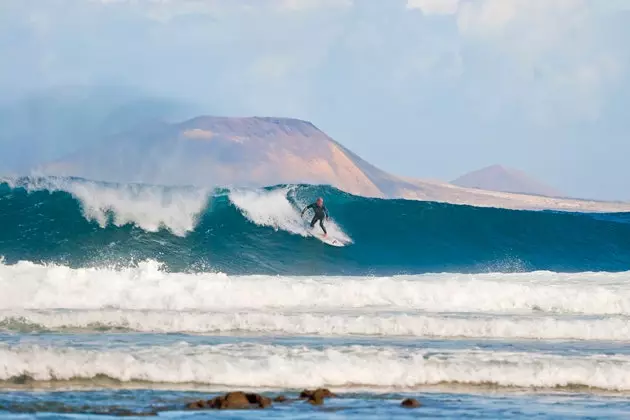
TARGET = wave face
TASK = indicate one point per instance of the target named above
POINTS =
(82, 223)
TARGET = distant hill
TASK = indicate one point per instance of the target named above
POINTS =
(259, 151)
(500, 178)
(221, 151)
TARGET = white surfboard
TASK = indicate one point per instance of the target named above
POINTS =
(328, 239)
(334, 237)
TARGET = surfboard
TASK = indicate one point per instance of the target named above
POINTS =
(334, 238)
(328, 239)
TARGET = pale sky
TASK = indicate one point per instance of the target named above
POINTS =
(423, 88)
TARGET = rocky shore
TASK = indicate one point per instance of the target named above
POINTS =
(236, 400)
(242, 400)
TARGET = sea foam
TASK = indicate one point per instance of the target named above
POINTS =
(274, 209)
(146, 206)
(339, 323)
(27, 285)
(277, 366)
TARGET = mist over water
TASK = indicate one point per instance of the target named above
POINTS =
(39, 126)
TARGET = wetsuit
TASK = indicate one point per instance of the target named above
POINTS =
(320, 214)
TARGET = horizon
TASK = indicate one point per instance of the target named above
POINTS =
(403, 84)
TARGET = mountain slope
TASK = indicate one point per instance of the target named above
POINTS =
(255, 152)
(501, 178)
(217, 151)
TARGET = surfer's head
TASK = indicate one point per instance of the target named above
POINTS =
(319, 201)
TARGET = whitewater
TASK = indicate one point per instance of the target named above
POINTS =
(146, 296)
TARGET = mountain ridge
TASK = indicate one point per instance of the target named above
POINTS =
(213, 151)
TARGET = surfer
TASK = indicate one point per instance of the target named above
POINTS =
(320, 212)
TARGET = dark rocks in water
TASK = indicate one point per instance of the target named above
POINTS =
(242, 400)
(307, 393)
(197, 405)
(410, 403)
(317, 396)
(232, 401)
(261, 401)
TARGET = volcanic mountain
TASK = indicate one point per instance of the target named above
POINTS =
(501, 178)
(218, 151)
(256, 151)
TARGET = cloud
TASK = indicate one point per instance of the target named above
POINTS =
(542, 18)
(474, 76)
(164, 10)
(434, 7)
(547, 56)
(313, 4)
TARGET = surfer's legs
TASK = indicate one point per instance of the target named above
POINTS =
(321, 223)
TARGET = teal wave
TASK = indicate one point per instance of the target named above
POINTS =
(83, 223)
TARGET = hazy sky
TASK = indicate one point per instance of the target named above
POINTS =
(424, 88)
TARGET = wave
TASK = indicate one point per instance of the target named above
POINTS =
(239, 231)
(279, 366)
(341, 324)
(34, 286)
(145, 206)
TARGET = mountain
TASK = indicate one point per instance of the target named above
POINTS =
(501, 178)
(260, 151)
(218, 151)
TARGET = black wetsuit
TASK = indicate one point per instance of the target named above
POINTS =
(320, 214)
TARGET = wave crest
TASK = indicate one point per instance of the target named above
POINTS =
(238, 231)
(148, 287)
(275, 366)
(149, 207)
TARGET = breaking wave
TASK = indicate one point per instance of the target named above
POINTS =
(83, 223)
(279, 366)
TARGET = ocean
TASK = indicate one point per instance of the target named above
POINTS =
(136, 300)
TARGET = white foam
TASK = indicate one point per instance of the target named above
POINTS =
(327, 324)
(269, 208)
(272, 208)
(260, 365)
(32, 286)
(146, 206)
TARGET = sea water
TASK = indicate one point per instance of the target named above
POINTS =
(136, 300)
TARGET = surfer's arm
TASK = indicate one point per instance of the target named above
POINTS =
(306, 208)
(326, 211)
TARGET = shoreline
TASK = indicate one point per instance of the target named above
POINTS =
(321, 401)
(102, 384)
